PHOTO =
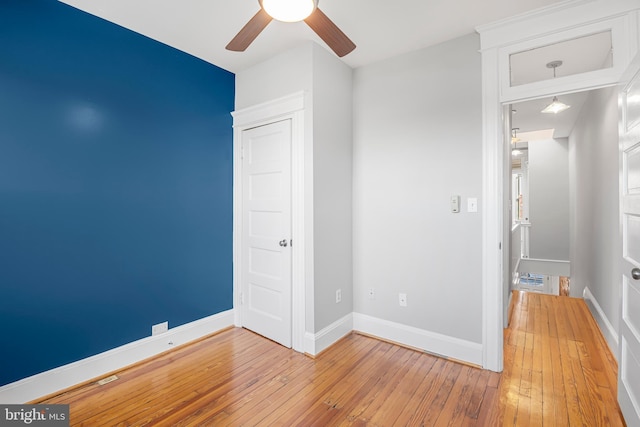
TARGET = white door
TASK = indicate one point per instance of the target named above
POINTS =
(266, 231)
(629, 363)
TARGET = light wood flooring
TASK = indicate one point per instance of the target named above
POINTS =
(558, 370)
(557, 373)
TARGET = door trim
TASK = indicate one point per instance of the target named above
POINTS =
(538, 28)
(290, 107)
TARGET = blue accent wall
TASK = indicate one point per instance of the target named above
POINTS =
(115, 186)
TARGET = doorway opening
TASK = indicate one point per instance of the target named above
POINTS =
(549, 206)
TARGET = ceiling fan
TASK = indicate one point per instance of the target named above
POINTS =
(293, 11)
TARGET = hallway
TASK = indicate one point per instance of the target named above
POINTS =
(558, 369)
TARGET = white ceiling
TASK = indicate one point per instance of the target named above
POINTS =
(380, 28)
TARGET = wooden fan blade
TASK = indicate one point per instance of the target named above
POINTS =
(330, 33)
(250, 31)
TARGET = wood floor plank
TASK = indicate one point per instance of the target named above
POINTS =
(455, 410)
(558, 371)
(335, 403)
(383, 399)
(512, 383)
(429, 382)
(334, 369)
(436, 405)
(555, 390)
(184, 391)
(429, 391)
(548, 389)
(405, 392)
(478, 394)
(489, 414)
(141, 387)
(280, 386)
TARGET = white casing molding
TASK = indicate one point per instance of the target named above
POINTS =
(320, 341)
(609, 332)
(539, 28)
(492, 228)
(428, 341)
(93, 367)
(291, 107)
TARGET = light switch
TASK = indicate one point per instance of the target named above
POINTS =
(472, 204)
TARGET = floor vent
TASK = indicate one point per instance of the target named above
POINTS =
(107, 380)
(531, 279)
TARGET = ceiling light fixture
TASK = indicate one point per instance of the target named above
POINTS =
(556, 106)
(289, 10)
(514, 135)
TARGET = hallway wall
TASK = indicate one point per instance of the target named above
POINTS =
(594, 233)
(549, 199)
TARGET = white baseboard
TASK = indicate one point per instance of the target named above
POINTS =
(507, 314)
(315, 343)
(431, 342)
(48, 382)
(609, 332)
(515, 275)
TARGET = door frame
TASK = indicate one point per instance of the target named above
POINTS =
(292, 108)
(560, 22)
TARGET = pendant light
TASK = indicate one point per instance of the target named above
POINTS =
(556, 106)
(514, 135)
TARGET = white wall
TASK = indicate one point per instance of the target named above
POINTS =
(595, 238)
(332, 185)
(417, 141)
(282, 75)
(549, 199)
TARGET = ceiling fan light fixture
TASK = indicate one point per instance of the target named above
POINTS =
(555, 107)
(289, 10)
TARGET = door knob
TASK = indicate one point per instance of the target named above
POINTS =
(635, 273)
(283, 243)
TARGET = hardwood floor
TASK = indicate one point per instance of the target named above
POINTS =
(558, 369)
(557, 373)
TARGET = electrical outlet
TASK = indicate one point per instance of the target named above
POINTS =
(160, 328)
(372, 293)
(338, 295)
(402, 299)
